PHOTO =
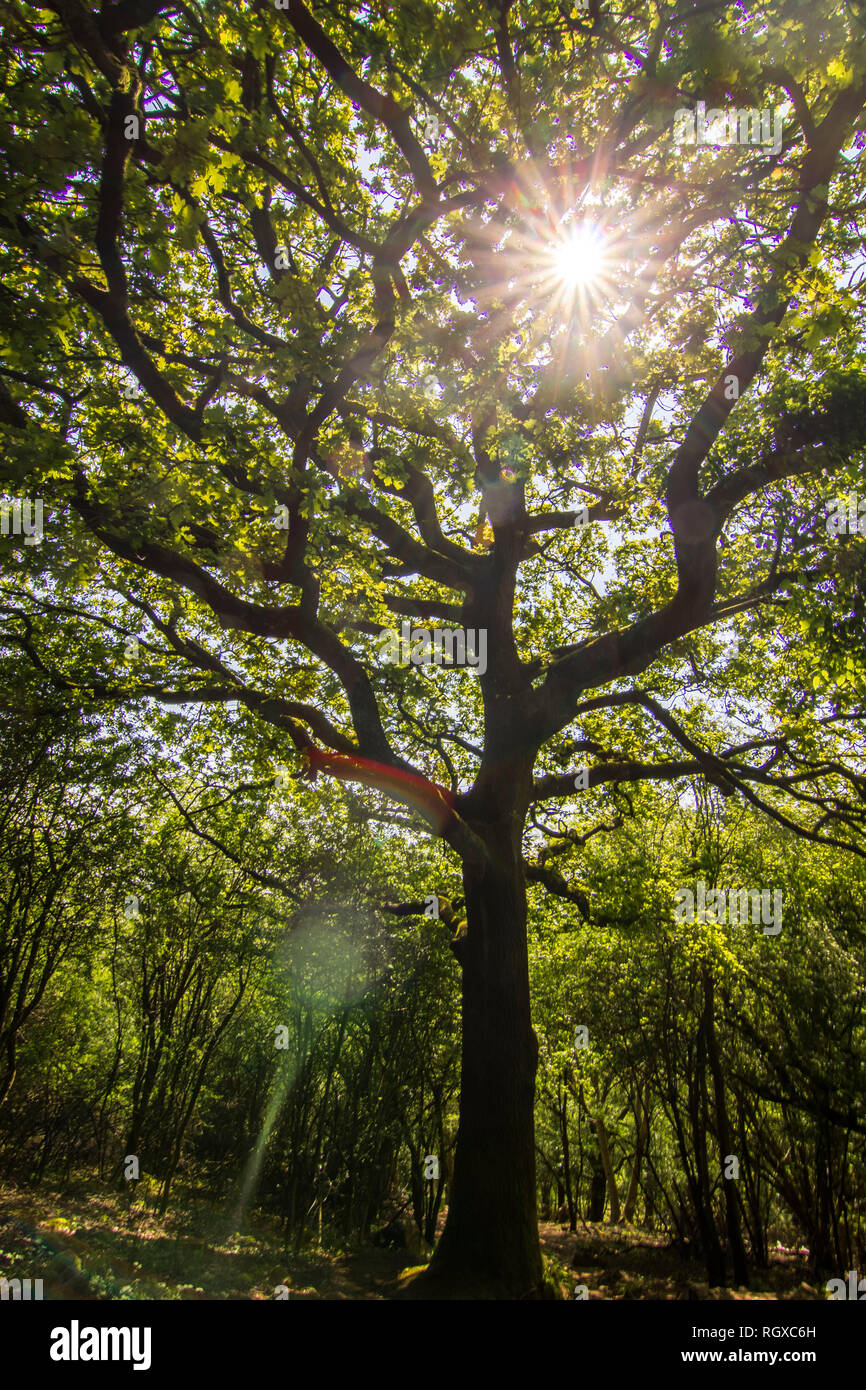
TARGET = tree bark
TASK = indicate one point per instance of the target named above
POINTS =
(736, 1248)
(697, 1169)
(489, 1247)
(9, 1074)
(607, 1165)
(641, 1143)
(566, 1162)
(597, 1190)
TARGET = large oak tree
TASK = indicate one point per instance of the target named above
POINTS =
(322, 318)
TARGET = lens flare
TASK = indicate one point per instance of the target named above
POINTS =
(579, 257)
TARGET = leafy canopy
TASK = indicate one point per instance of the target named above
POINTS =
(318, 319)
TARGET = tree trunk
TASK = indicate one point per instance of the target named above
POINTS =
(597, 1191)
(736, 1248)
(697, 1172)
(566, 1162)
(609, 1175)
(9, 1074)
(641, 1143)
(489, 1247)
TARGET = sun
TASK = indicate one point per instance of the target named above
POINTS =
(569, 265)
(579, 257)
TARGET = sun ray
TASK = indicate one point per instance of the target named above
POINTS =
(579, 257)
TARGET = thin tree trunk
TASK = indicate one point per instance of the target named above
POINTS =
(641, 1143)
(9, 1074)
(736, 1247)
(609, 1175)
(566, 1162)
(699, 1181)
(597, 1191)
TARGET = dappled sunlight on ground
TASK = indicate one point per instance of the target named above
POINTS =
(96, 1245)
(616, 1262)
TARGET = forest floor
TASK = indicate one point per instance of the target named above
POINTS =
(616, 1262)
(91, 1244)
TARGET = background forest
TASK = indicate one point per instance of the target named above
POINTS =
(270, 1041)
